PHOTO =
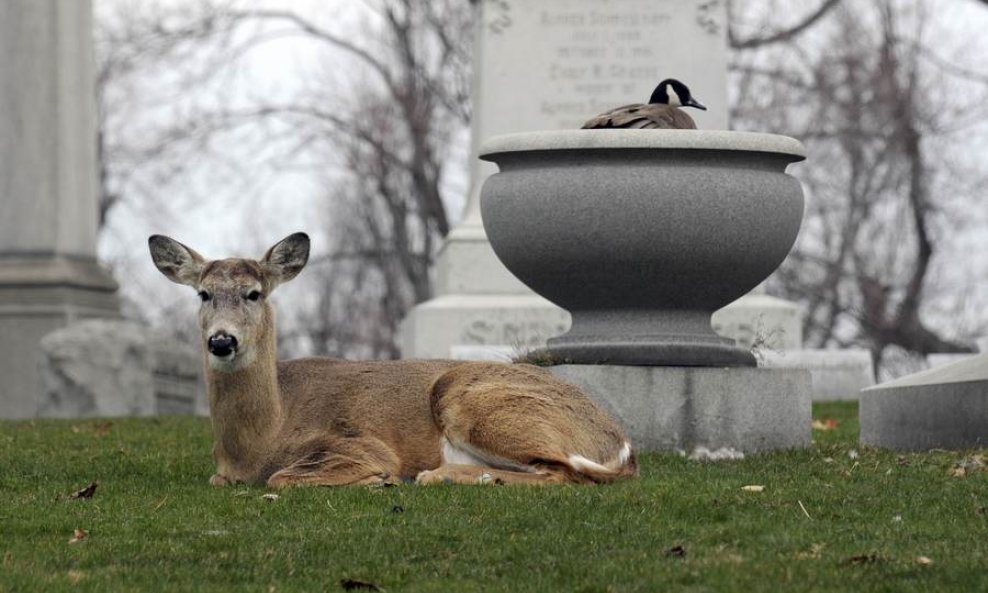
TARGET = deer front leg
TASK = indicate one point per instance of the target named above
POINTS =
(474, 475)
(344, 462)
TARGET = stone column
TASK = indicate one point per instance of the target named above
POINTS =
(48, 206)
(551, 65)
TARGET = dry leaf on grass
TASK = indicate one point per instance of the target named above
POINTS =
(923, 560)
(86, 492)
(78, 535)
(969, 465)
(75, 576)
(103, 428)
(753, 488)
(825, 424)
(354, 585)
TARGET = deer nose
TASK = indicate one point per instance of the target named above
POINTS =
(222, 344)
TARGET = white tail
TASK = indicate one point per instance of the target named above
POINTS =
(333, 422)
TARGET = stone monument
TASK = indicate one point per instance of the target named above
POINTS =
(551, 65)
(55, 359)
(48, 270)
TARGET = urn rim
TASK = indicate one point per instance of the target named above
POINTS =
(721, 140)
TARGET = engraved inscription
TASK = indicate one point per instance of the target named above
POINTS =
(521, 335)
(708, 16)
(598, 54)
(498, 13)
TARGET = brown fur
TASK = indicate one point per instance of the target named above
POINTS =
(334, 422)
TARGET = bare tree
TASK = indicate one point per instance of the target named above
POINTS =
(778, 36)
(873, 110)
(376, 118)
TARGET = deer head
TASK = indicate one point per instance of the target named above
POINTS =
(235, 317)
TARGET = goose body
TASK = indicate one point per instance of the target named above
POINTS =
(661, 112)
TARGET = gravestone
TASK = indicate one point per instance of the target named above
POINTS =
(944, 407)
(551, 65)
(49, 276)
(836, 375)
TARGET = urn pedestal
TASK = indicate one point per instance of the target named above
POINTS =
(642, 234)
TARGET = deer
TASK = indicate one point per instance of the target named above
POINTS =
(337, 422)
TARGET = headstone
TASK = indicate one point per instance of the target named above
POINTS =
(117, 368)
(836, 375)
(939, 359)
(48, 270)
(944, 407)
(551, 65)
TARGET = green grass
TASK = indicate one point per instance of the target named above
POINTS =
(155, 525)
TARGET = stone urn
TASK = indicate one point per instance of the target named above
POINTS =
(642, 234)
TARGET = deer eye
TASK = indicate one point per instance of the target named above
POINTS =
(205, 296)
(253, 295)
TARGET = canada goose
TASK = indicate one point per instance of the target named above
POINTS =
(662, 111)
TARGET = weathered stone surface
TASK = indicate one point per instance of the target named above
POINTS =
(48, 271)
(944, 407)
(836, 374)
(517, 322)
(682, 408)
(116, 368)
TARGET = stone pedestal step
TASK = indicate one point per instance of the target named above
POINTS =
(684, 408)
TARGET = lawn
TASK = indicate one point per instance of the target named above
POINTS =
(835, 517)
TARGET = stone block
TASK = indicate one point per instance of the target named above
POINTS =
(520, 322)
(116, 368)
(683, 408)
(940, 408)
(836, 374)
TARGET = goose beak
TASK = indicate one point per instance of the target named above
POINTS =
(694, 103)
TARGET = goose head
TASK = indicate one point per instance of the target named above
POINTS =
(672, 92)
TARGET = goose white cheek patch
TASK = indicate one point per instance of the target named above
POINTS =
(673, 95)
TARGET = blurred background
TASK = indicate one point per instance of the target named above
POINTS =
(229, 125)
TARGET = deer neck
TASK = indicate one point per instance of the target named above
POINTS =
(245, 406)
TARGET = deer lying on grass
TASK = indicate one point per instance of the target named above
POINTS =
(335, 422)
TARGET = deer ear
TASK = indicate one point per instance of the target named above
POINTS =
(287, 258)
(176, 261)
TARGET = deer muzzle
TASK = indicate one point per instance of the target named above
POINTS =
(222, 344)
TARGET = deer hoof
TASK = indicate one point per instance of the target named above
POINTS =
(218, 480)
(432, 476)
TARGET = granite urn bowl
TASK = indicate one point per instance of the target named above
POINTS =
(642, 234)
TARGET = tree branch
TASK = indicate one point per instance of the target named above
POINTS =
(784, 35)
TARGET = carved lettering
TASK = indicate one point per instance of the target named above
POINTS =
(521, 335)
(596, 55)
